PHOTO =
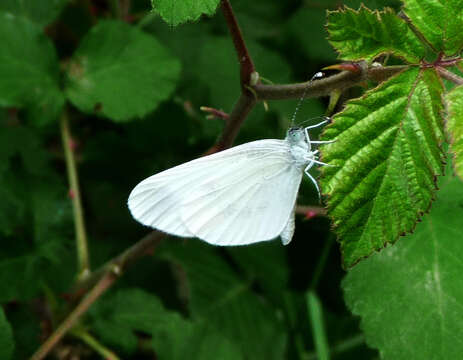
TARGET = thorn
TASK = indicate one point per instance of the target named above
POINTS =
(265, 105)
(214, 113)
(352, 67)
(72, 145)
(71, 194)
(212, 150)
(310, 214)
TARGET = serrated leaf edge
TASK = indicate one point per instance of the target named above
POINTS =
(420, 214)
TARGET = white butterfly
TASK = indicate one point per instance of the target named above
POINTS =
(239, 196)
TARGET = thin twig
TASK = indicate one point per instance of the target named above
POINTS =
(141, 248)
(449, 75)
(93, 343)
(215, 112)
(102, 285)
(238, 115)
(246, 63)
(74, 193)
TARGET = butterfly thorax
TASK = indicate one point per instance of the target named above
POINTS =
(299, 146)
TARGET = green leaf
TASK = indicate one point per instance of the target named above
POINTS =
(455, 127)
(120, 72)
(27, 333)
(315, 310)
(385, 159)
(35, 217)
(41, 12)
(439, 21)
(410, 296)
(217, 295)
(120, 315)
(6, 338)
(175, 12)
(29, 70)
(365, 34)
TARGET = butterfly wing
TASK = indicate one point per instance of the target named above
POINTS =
(238, 196)
(248, 202)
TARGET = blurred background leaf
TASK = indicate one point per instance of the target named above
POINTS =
(414, 288)
(29, 70)
(114, 61)
(40, 12)
(176, 12)
(6, 337)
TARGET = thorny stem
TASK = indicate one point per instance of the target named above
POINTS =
(74, 193)
(101, 280)
(102, 285)
(246, 63)
(325, 86)
(234, 122)
(141, 248)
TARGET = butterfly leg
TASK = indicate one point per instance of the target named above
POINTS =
(306, 171)
(323, 142)
(320, 163)
(327, 119)
(306, 129)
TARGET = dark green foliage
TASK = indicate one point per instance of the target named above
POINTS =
(131, 81)
(6, 337)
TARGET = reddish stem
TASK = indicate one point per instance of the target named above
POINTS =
(246, 64)
(215, 112)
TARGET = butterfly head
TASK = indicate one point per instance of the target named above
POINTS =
(295, 135)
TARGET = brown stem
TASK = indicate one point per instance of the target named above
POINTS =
(240, 111)
(310, 211)
(102, 285)
(246, 64)
(141, 248)
(215, 112)
(324, 86)
(449, 75)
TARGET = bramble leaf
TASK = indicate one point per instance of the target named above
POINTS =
(29, 70)
(40, 12)
(176, 12)
(439, 21)
(217, 295)
(410, 296)
(385, 159)
(455, 127)
(365, 34)
(117, 319)
(6, 338)
(120, 72)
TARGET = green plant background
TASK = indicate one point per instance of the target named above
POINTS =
(132, 90)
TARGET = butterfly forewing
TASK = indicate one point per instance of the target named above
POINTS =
(238, 196)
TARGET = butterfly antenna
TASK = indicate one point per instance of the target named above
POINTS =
(301, 100)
